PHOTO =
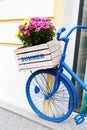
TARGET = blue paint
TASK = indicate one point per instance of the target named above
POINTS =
(32, 57)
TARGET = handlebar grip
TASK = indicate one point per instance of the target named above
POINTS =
(59, 33)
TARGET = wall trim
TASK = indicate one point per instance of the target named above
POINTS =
(10, 44)
(18, 19)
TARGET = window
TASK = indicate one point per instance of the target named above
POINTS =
(80, 60)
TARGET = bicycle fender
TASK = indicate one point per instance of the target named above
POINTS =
(73, 89)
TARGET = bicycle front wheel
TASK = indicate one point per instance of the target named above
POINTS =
(56, 108)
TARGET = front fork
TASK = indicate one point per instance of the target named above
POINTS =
(56, 84)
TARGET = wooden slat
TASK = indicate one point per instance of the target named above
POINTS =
(40, 65)
(41, 56)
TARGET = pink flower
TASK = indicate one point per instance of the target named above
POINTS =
(52, 27)
(28, 34)
(35, 19)
(46, 27)
(37, 29)
(25, 32)
(21, 27)
(30, 27)
(26, 27)
(34, 24)
(34, 32)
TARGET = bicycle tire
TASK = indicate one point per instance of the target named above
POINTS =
(58, 107)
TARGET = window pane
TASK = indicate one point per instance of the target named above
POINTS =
(82, 56)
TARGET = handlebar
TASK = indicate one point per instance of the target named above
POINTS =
(68, 34)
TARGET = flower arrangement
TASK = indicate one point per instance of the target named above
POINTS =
(36, 30)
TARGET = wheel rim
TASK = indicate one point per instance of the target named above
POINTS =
(56, 108)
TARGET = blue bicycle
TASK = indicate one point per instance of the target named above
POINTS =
(50, 93)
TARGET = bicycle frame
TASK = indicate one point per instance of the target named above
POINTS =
(66, 67)
(62, 63)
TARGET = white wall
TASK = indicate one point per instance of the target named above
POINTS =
(11, 9)
(12, 82)
(70, 20)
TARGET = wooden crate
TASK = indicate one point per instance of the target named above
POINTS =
(39, 57)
